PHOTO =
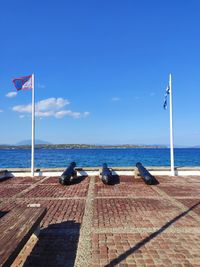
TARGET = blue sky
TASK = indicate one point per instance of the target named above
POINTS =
(101, 69)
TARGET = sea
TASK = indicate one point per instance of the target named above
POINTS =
(55, 158)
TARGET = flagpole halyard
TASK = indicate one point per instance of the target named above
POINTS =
(171, 127)
(33, 125)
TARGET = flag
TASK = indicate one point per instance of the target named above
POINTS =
(23, 83)
(167, 91)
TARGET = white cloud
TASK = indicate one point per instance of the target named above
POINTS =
(44, 113)
(51, 107)
(75, 115)
(11, 94)
(21, 116)
(63, 113)
(51, 103)
(114, 99)
(23, 108)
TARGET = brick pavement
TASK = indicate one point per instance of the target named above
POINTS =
(11, 190)
(125, 224)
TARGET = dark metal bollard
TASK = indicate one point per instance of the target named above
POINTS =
(147, 177)
(106, 174)
(68, 175)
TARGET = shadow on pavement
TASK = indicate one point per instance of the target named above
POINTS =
(79, 179)
(115, 180)
(143, 242)
(56, 246)
(3, 213)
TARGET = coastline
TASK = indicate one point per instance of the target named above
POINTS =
(80, 146)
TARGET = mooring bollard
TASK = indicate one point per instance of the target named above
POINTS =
(106, 174)
(147, 177)
(68, 175)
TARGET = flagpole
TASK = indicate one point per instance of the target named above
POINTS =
(33, 126)
(171, 127)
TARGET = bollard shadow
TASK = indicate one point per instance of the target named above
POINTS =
(79, 179)
(143, 242)
(155, 181)
(5, 175)
(115, 179)
(57, 246)
(75, 180)
(3, 213)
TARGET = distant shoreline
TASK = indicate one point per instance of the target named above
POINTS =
(79, 146)
(84, 146)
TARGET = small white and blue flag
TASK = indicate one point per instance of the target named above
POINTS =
(166, 94)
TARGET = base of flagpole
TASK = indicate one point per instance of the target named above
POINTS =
(172, 173)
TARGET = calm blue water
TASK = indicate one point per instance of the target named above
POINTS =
(95, 157)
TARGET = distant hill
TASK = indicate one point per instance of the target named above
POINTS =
(28, 142)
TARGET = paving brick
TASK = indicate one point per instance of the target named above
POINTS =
(58, 191)
(53, 250)
(166, 249)
(11, 190)
(125, 189)
(191, 203)
(122, 179)
(63, 214)
(22, 180)
(178, 179)
(181, 190)
(55, 180)
(123, 218)
(8, 205)
(51, 180)
(138, 213)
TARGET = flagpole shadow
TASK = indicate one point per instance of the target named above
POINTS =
(143, 242)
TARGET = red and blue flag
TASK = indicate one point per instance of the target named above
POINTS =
(23, 83)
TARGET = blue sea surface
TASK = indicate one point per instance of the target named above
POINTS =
(21, 158)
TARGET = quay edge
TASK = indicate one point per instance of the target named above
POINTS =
(179, 171)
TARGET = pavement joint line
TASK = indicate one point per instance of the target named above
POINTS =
(50, 184)
(29, 188)
(49, 198)
(15, 185)
(188, 198)
(129, 197)
(178, 182)
(130, 230)
(6, 200)
(84, 250)
(55, 184)
(178, 204)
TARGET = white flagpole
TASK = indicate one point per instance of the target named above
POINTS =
(33, 126)
(171, 127)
